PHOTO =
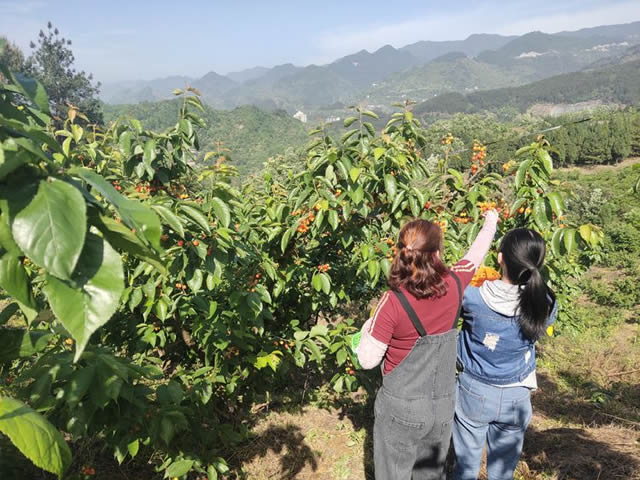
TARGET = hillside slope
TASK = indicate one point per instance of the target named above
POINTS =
(616, 84)
(251, 134)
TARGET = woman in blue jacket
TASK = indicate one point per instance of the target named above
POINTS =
(503, 319)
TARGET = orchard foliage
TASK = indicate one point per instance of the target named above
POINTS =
(151, 304)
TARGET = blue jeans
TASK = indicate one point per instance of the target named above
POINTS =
(497, 416)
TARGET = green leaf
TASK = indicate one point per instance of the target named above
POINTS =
(556, 202)
(350, 121)
(373, 268)
(333, 219)
(197, 216)
(161, 309)
(357, 195)
(555, 242)
(316, 281)
(385, 266)
(179, 468)
(186, 127)
(195, 282)
(338, 386)
(285, 238)
(521, 173)
(518, 203)
(546, 161)
(14, 279)
(300, 335)
(569, 238)
(32, 90)
(348, 135)
(19, 343)
(354, 173)
(79, 384)
(170, 218)
(319, 331)
(341, 356)
(50, 229)
(541, 213)
(122, 238)
(390, 186)
(125, 142)
(397, 201)
(369, 113)
(525, 149)
(100, 281)
(316, 354)
(326, 283)
(149, 154)
(378, 152)
(136, 124)
(34, 436)
(585, 232)
(221, 209)
(133, 448)
(459, 180)
(370, 128)
(134, 214)
(11, 161)
(212, 473)
(66, 146)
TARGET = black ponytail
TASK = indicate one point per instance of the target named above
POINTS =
(523, 252)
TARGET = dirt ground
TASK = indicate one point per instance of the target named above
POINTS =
(586, 423)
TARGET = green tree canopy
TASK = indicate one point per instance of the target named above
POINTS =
(11, 55)
(52, 63)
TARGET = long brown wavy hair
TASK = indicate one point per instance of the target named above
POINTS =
(418, 266)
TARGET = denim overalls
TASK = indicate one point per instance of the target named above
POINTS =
(414, 407)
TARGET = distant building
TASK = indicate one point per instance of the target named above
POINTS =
(301, 116)
(331, 119)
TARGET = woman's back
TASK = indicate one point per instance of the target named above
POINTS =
(392, 326)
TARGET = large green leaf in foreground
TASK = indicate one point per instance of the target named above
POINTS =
(51, 228)
(34, 436)
(87, 303)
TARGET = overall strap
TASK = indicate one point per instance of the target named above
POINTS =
(413, 316)
(459, 285)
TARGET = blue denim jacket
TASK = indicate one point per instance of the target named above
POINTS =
(491, 347)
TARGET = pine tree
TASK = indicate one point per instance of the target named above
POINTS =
(52, 64)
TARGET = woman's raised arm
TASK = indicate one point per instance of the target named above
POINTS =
(482, 243)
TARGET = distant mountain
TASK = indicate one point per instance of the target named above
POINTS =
(540, 55)
(312, 87)
(618, 84)
(251, 134)
(364, 69)
(417, 71)
(452, 72)
(427, 50)
(142, 91)
(248, 74)
(621, 32)
(631, 54)
(213, 87)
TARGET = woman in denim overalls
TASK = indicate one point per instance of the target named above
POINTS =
(413, 332)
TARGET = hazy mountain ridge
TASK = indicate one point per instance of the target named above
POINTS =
(418, 71)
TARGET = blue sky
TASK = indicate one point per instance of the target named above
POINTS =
(138, 39)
